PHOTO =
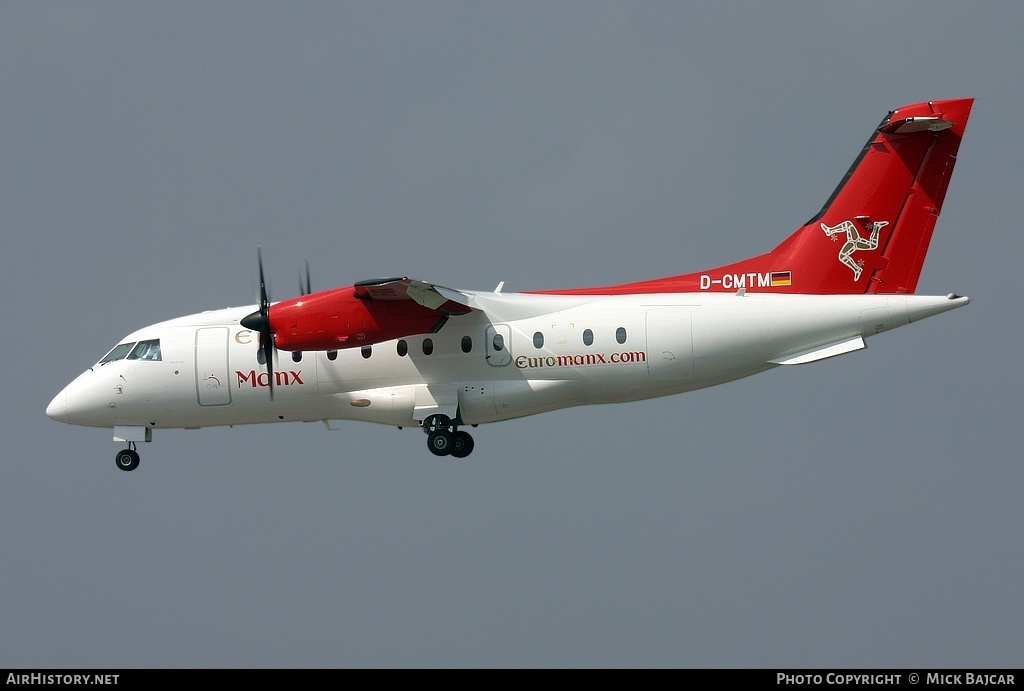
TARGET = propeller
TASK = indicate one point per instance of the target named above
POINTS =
(260, 322)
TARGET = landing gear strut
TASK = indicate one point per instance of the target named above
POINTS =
(127, 459)
(444, 438)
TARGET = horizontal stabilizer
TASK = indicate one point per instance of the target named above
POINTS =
(917, 124)
(821, 352)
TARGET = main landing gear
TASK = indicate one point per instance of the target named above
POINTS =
(444, 438)
(127, 459)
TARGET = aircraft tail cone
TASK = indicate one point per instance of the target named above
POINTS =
(924, 306)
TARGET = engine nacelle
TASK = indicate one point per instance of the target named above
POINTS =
(338, 318)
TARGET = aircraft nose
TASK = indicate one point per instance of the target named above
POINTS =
(58, 408)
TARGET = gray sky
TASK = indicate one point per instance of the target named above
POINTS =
(863, 511)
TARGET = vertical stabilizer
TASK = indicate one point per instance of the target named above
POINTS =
(872, 234)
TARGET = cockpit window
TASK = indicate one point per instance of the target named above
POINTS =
(120, 352)
(143, 350)
(146, 350)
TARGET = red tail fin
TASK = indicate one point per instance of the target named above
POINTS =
(879, 221)
(873, 232)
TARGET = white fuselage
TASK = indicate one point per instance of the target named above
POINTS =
(514, 355)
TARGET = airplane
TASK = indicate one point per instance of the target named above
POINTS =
(410, 353)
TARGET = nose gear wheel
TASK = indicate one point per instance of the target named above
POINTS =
(127, 459)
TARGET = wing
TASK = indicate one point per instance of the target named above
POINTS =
(429, 295)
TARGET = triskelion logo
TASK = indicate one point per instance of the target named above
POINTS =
(854, 242)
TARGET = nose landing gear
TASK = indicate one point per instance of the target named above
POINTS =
(444, 438)
(127, 459)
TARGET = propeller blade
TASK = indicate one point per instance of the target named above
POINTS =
(267, 343)
(264, 300)
(307, 288)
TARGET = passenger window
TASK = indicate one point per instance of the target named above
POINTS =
(146, 350)
(588, 337)
(620, 335)
(403, 348)
(538, 340)
(498, 342)
(367, 351)
(296, 356)
(467, 344)
(332, 355)
(428, 346)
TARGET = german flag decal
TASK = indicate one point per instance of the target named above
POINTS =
(781, 278)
